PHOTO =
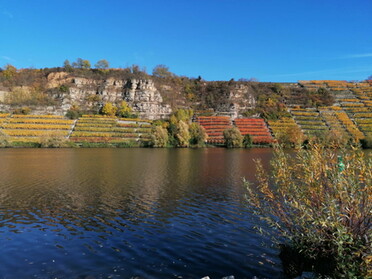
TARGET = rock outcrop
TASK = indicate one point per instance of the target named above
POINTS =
(239, 99)
(146, 99)
(57, 79)
(141, 95)
(149, 97)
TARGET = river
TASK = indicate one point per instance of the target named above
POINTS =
(130, 213)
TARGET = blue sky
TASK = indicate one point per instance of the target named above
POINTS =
(270, 40)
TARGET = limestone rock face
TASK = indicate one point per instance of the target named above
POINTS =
(240, 99)
(141, 95)
(2, 95)
(145, 99)
(57, 79)
(148, 99)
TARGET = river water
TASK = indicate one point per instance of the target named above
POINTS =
(130, 213)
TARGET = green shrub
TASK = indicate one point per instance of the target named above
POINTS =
(181, 114)
(183, 134)
(73, 114)
(198, 135)
(159, 137)
(3, 140)
(233, 137)
(247, 141)
(290, 136)
(53, 141)
(320, 205)
(25, 144)
(63, 88)
(22, 110)
(127, 144)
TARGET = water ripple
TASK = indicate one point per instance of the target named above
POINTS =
(133, 212)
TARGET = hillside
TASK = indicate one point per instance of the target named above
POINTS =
(56, 90)
(286, 110)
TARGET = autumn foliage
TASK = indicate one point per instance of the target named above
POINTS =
(320, 202)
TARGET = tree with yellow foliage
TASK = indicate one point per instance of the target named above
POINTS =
(109, 109)
(124, 110)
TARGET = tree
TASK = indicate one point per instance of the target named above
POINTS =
(183, 135)
(85, 64)
(74, 112)
(67, 65)
(198, 135)
(290, 136)
(81, 64)
(182, 114)
(159, 137)
(109, 109)
(77, 63)
(247, 141)
(253, 79)
(233, 137)
(102, 64)
(162, 71)
(9, 71)
(124, 110)
(173, 119)
(135, 69)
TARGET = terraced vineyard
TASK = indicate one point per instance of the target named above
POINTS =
(33, 128)
(349, 125)
(256, 127)
(354, 105)
(310, 121)
(360, 109)
(99, 129)
(336, 125)
(350, 116)
(283, 127)
(214, 126)
(3, 117)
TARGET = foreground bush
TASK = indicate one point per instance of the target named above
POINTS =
(322, 205)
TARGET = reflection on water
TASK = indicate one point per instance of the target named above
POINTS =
(110, 213)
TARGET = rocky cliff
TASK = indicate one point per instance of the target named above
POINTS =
(143, 96)
(91, 94)
(54, 91)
